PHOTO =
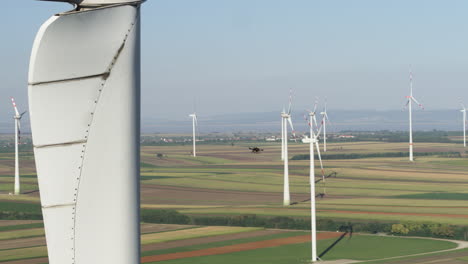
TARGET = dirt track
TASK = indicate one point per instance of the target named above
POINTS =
(238, 247)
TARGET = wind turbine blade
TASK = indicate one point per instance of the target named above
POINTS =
(14, 106)
(416, 101)
(320, 158)
(319, 130)
(316, 124)
(407, 103)
(84, 71)
(315, 104)
(292, 127)
(306, 118)
(290, 102)
(411, 80)
(22, 114)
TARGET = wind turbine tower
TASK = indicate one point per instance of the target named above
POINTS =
(411, 99)
(194, 132)
(17, 118)
(285, 119)
(313, 141)
(463, 110)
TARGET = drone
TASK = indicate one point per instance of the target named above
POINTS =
(256, 150)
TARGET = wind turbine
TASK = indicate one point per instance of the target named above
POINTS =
(285, 119)
(84, 104)
(324, 125)
(194, 129)
(17, 118)
(463, 110)
(409, 104)
(313, 141)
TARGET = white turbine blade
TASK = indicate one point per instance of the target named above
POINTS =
(317, 127)
(324, 119)
(84, 71)
(320, 158)
(411, 81)
(306, 118)
(290, 102)
(416, 101)
(292, 127)
(315, 104)
(319, 130)
(14, 106)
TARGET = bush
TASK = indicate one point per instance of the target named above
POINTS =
(400, 229)
(164, 217)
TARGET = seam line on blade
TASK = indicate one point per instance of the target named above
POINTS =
(104, 76)
(57, 205)
(63, 144)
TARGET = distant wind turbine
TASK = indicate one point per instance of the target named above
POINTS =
(194, 133)
(17, 118)
(463, 110)
(285, 119)
(409, 105)
(314, 141)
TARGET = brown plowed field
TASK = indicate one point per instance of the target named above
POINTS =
(158, 194)
(394, 213)
(22, 243)
(238, 247)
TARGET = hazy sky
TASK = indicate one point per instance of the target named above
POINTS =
(245, 55)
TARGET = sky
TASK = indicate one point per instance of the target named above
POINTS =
(242, 56)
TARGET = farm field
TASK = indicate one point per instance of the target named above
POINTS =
(227, 180)
(163, 244)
